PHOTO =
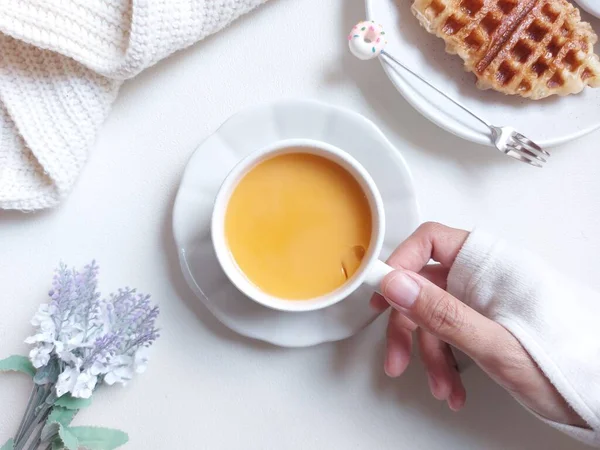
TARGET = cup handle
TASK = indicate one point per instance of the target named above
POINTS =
(377, 273)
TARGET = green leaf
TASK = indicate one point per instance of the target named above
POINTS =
(8, 445)
(70, 402)
(17, 363)
(58, 416)
(68, 439)
(95, 438)
(57, 444)
(61, 415)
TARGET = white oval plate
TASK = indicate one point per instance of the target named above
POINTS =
(549, 122)
(591, 6)
(255, 128)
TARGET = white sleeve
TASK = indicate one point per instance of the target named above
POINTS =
(556, 319)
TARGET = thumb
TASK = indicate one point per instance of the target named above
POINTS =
(440, 313)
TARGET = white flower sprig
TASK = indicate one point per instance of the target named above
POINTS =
(92, 339)
(80, 340)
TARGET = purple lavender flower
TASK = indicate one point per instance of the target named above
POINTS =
(93, 338)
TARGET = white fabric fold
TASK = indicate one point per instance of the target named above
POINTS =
(554, 318)
(61, 66)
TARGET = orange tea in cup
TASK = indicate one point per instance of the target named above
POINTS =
(291, 222)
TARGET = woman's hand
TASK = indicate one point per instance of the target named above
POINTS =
(416, 292)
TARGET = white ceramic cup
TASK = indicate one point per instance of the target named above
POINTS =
(371, 270)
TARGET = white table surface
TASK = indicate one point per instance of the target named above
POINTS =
(208, 388)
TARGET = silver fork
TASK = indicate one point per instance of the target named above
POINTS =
(506, 139)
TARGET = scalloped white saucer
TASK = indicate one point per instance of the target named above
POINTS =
(252, 129)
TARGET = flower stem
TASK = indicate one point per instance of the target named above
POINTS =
(28, 412)
(38, 422)
(40, 395)
(35, 442)
(40, 413)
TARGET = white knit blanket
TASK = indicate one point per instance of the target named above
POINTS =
(61, 65)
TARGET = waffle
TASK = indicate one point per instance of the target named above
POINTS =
(533, 48)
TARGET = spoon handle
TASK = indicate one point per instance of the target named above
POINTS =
(461, 106)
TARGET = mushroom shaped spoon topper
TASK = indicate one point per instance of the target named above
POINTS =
(367, 40)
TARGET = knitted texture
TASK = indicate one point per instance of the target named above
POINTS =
(61, 65)
(554, 318)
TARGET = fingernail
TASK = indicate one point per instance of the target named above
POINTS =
(433, 385)
(453, 404)
(401, 290)
(389, 367)
(456, 403)
(393, 365)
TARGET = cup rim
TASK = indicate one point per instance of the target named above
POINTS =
(226, 260)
